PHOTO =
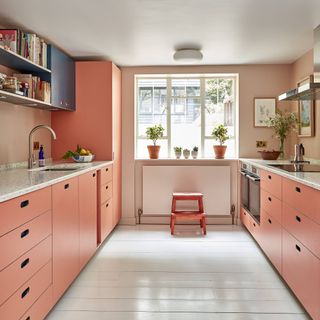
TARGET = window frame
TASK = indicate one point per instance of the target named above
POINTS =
(202, 98)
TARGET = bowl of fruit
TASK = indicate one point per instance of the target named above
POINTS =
(80, 155)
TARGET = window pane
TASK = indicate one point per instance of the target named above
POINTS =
(152, 104)
(185, 87)
(142, 150)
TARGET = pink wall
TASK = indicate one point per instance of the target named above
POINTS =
(302, 68)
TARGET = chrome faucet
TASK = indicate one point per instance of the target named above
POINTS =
(298, 153)
(31, 161)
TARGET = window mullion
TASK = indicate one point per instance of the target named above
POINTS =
(202, 113)
(169, 86)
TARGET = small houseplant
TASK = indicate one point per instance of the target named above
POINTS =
(186, 153)
(282, 123)
(220, 133)
(194, 152)
(177, 152)
(154, 133)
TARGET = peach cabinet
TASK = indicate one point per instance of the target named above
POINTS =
(272, 183)
(65, 212)
(87, 216)
(96, 123)
(270, 204)
(252, 225)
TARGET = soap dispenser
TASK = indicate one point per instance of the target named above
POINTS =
(41, 157)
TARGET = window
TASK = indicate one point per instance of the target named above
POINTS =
(188, 107)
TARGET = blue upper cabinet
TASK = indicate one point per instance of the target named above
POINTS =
(62, 79)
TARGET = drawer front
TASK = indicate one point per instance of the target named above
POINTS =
(27, 294)
(255, 230)
(245, 218)
(106, 175)
(41, 307)
(302, 228)
(106, 219)
(272, 183)
(20, 210)
(301, 270)
(271, 205)
(302, 198)
(106, 192)
(271, 240)
(19, 241)
(17, 273)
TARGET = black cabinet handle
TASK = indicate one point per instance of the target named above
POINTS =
(244, 213)
(107, 169)
(269, 177)
(107, 205)
(66, 186)
(28, 318)
(298, 248)
(254, 224)
(298, 218)
(94, 175)
(24, 263)
(298, 189)
(269, 198)
(24, 203)
(25, 292)
(24, 233)
(107, 187)
(269, 221)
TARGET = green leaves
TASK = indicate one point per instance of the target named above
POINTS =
(154, 133)
(69, 154)
(220, 133)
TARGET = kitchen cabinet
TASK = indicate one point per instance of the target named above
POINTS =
(65, 212)
(96, 123)
(87, 216)
(62, 79)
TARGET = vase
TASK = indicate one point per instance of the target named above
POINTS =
(281, 148)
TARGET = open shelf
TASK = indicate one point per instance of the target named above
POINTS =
(25, 101)
(14, 61)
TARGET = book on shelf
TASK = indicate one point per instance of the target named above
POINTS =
(26, 44)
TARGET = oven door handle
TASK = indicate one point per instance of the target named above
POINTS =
(243, 173)
(253, 178)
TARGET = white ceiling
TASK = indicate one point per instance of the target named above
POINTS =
(146, 32)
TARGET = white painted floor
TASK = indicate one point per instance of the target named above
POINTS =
(143, 273)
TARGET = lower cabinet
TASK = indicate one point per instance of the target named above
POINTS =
(251, 224)
(271, 238)
(65, 235)
(87, 216)
(301, 270)
(106, 219)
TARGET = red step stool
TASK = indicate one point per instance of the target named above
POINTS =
(188, 215)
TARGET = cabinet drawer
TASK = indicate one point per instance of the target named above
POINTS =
(271, 205)
(105, 192)
(244, 217)
(106, 219)
(27, 294)
(40, 308)
(271, 239)
(302, 198)
(302, 228)
(301, 270)
(272, 183)
(20, 210)
(17, 273)
(255, 230)
(17, 242)
(106, 175)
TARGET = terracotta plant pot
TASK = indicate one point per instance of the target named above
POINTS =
(220, 151)
(154, 152)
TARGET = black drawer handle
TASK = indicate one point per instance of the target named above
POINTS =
(298, 248)
(24, 263)
(269, 221)
(298, 218)
(107, 205)
(107, 187)
(269, 177)
(269, 198)
(298, 189)
(66, 186)
(28, 318)
(254, 224)
(244, 213)
(24, 203)
(24, 233)
(25, 292)
(94, 175)
(107, 169)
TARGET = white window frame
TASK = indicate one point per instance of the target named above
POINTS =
(203, 78)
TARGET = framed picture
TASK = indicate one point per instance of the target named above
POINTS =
(263, 109)
(306, 109)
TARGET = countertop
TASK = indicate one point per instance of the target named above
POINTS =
(311, 179)
(19, 181)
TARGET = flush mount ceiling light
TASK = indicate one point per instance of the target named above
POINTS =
(188, 55)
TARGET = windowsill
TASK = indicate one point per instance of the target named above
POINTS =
(187, 160)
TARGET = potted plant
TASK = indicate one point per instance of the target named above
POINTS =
(194, 152)
(220, 133)
(177, 152)
(154, 133)
(282, 123)
(186, 153)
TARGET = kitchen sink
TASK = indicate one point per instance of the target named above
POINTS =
(297, 167)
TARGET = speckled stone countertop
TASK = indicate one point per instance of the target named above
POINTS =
(311, 179)
(19, 181)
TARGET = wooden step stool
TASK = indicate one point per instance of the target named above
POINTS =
(188, 215)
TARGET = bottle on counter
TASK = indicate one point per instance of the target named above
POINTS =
(41, 157)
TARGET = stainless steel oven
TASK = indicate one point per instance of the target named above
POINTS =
(250, 190)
